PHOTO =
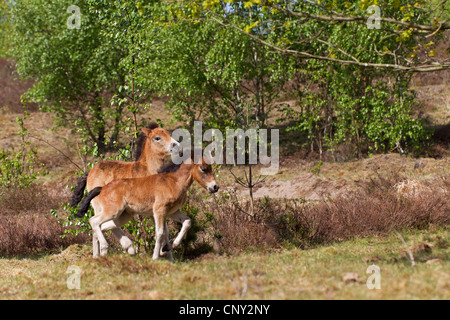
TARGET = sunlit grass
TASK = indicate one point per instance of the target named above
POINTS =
(286, 274)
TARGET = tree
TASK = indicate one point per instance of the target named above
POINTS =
(353, 77)
(398, 19)
(226, 61)
(80, 73)
(5, 27)
(210, 71)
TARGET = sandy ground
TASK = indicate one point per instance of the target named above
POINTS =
(296, 180)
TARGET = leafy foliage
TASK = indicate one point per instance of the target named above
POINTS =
(80, 74)
(226, 63)
(19, 166)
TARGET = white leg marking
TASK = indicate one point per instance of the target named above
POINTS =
(96, 222)
(186, 225)
(160, 237)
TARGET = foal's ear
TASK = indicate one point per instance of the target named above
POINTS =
(208, 157)
(146, 131)
(150, 127)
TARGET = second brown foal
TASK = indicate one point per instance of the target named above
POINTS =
(153, 146)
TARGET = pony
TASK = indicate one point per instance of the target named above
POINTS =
(154, 144)
(159, 196)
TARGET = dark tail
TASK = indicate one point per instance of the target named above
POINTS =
(84, 206)
(78, 192)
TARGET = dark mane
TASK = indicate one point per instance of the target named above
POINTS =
(141, 141)
(169, 167)
(172, 167)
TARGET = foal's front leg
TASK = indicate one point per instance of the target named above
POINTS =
(166, 250)
(185, 226)
(159, 232)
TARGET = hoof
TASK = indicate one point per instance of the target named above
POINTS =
(176, 244)
(169, 256)
(164, 253)
(131, 251)
(165, 250)
(103, 251)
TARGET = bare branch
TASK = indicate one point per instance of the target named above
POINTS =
(48, 143)
(306, 55)
(336, 17)
(339, 49)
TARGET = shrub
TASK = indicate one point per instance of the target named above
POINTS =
(26, 226)
(376, 208)
(19, 166)
(235, 229)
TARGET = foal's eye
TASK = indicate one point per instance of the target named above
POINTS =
(157, 138)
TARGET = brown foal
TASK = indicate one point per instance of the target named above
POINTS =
(159, 196)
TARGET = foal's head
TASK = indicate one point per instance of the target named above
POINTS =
(159, 140)
(203, 173)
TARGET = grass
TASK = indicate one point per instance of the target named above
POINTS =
(286, 274)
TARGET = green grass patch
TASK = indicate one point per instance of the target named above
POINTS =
(316, 273)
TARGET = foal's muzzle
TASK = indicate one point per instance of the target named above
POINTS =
(213, 187)
(174, 146)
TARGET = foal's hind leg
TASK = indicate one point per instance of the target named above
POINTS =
(125, 242)
(96, 222)
(95, 244)
(115, 227)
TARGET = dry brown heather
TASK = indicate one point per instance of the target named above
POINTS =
(26, 225)
(378, 207)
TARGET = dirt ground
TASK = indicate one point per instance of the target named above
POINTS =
(296, 180)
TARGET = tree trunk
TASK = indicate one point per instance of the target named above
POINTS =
(250, 188)
(99, 120)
